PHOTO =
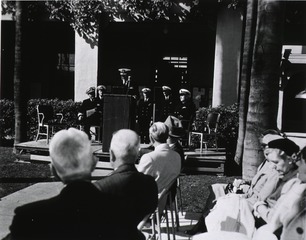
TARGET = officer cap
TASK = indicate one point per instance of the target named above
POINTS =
(101, 87)
(146, 90)
(124, 70)
(184, 91)
(166, 88)
(90, 90)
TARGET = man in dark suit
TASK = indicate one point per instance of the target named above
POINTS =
(137, 192)
(80, 211)
(167, 104)
(176, 132)
(145, 114)
(89, 114)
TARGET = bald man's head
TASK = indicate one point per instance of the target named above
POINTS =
(124, 146)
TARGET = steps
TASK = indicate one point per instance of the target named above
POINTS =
(209, 161)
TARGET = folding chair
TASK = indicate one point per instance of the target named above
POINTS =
(209, 131)
(47, 121)
(162, 208)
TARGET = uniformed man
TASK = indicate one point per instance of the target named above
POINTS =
(125, 75)
(128, 86)
(89, 114)
(166, 107)
(185, 110)
(145, 115)
(101, 89)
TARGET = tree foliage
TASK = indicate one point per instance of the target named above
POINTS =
(86, 16)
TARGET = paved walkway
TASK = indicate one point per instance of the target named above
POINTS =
(40, 191)
(187, 220)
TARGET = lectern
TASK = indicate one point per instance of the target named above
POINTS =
(119, 112)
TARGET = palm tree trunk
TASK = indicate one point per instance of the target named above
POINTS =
(19, 75)
(263, 97)
(248, 45)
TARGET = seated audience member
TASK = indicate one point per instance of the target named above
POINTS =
(163, 163)
(137, 192)
(89, 114)
(282, 152)
(80, 211)
(176, 131)
(262, 185)
(290, 205)
(287, 217)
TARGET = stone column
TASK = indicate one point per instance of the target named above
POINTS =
(227, 57)
(86, 68)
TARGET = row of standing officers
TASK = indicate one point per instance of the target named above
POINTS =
(147, 111)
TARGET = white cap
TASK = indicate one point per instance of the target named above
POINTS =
(101, 87)
(165, 88)
(184, 91)
(124, 70)
(145, 90)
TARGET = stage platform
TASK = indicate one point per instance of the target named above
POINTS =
(38, 152)
(196, 162)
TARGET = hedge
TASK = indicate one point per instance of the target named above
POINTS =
(227, 128)
(227, 131)
(69, 109)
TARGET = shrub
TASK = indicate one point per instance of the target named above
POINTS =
(7, 116)
(69, 109)
(228, 124)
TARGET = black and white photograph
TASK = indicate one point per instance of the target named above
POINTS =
(153, 120)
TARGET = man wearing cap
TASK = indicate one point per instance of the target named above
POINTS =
(144, 116)
(89, 114)
(80, 211)
(176, 131)
(166, 107)
(128, 87)
(100, 98)
(125, 75)
(163, 163)
(186, 108)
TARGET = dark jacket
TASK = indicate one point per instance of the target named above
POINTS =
(80, 211)
(185, 112)
(137, 192)
(177, 147)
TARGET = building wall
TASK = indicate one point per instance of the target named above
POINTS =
(86, 65)
(142, 46)
(227, 57)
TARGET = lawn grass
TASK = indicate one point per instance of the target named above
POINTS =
(18, 175)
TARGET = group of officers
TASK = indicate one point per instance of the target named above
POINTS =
(147, 110)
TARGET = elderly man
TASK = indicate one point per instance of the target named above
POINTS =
(163, 163)
(80, 211)
(137, 192)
